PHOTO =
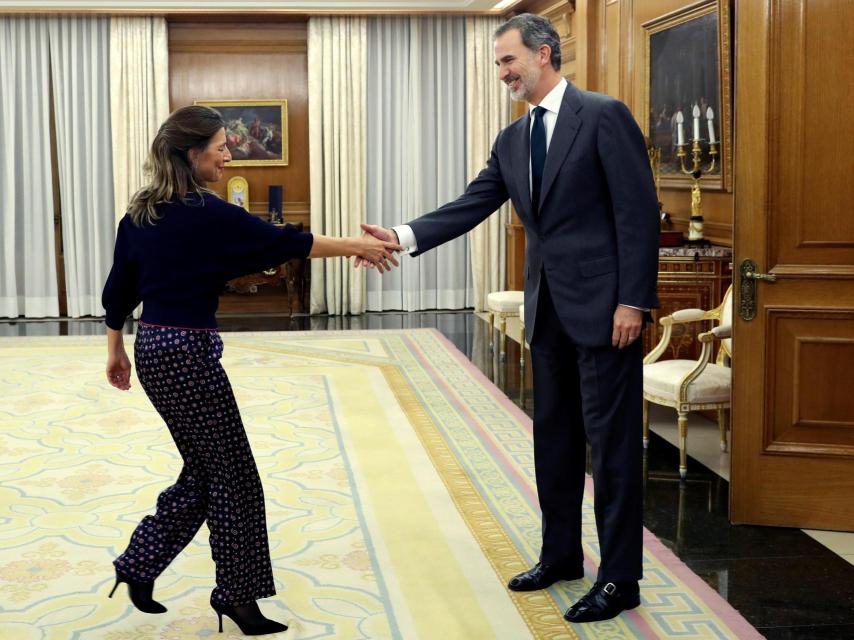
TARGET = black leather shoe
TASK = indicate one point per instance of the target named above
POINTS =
(542, 575)
(604, 601)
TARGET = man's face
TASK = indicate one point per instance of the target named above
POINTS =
(518, 66)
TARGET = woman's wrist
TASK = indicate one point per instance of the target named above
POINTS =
(115, 344)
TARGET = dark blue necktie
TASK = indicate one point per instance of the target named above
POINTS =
(538, 156)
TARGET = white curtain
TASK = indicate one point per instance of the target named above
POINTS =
(80, 60)
(416, 152)
(27, 251)
(139, 98)
(337, 75)
(488, 110)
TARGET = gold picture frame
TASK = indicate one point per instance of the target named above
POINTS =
(687, 61)
(237, 192)
(256, 131)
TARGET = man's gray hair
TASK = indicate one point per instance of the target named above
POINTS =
(535, 31)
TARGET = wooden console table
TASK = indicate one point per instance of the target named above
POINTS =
(688, 278)
(294, 276)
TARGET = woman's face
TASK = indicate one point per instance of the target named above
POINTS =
(208, 164)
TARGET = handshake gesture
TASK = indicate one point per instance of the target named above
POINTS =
(380, 243)
(375, 248)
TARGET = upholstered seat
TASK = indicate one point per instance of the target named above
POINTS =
(504, 304)
(663, 379)
(505, 301)
(691, 385)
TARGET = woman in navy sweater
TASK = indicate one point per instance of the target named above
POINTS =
(175, 249)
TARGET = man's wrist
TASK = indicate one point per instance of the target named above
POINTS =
(405, 238)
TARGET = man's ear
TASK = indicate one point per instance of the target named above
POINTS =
(546, 50)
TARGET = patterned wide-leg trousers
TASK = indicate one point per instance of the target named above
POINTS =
(179, 370)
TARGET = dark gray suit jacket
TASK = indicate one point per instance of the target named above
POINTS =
(596, 233)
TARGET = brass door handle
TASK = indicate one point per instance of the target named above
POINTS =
(747, 290)
(767, 277)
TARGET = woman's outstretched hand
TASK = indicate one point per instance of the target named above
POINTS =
(376, 252)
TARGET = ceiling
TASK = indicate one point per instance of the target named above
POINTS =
(245, 6)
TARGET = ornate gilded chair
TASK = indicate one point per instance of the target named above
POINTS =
(692, 385)
(522, 346)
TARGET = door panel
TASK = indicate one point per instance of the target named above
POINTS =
(793, 364)
(811, 134)
(811, 382)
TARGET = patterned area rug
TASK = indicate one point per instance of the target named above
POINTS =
(400, 499)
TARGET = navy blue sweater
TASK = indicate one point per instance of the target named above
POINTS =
(179, 265)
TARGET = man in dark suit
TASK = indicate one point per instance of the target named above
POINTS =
(577, 172)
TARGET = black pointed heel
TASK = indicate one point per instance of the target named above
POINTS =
(140, 594)
(248, 618)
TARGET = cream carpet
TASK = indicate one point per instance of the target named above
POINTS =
(399, 487)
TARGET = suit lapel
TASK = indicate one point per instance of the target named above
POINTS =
(566, 128)
(520, 161)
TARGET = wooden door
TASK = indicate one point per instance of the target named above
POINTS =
(793, 384)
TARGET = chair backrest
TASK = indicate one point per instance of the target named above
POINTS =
(726, 318)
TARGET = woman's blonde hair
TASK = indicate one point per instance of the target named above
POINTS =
(168, 167)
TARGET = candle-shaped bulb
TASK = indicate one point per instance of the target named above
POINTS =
(680, 131)
(696, 113)
(710, 118)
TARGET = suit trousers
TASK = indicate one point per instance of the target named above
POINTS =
(587, 394)
(180, 371)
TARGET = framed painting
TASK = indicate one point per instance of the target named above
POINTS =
(687, 73)
(256, 131)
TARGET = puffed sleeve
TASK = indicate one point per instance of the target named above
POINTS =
(250, 244)
(121, 291)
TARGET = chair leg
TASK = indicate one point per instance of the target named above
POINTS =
(502, 331)
(645, 423)
(723, 425)
(683, 438)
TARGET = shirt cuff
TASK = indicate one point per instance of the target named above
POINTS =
(633, 307)
(406, 238)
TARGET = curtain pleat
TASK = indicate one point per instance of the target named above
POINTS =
(336, 100)
(28, 284)
(80, 58)
(139, 98)
(488, 112)
(416, 152)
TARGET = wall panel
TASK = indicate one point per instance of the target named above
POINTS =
(249, 60)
